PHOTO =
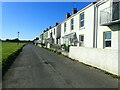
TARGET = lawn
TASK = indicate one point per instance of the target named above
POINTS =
(9, 49)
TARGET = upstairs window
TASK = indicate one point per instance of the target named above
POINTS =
(54, 31)
(107, 39)
(72, 24)
(115, 10)
(65, 27)
(82, 20)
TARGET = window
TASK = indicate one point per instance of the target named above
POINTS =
(54, 31)
(115, 10)
(64, 27)
(82, 20)
(81, 40)
(107, 39)
(72, 24)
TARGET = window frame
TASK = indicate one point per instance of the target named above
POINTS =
(72, 24)
(105, 40)
(80, 41)
(81, 20)
(54, 31)
(65, 27)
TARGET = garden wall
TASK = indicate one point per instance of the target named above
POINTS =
(105, 59)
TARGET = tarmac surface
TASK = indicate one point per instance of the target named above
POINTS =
(36, 67)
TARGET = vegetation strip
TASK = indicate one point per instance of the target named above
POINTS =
(8, 59)
(55, 51)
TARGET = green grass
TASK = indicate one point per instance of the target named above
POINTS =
(9, 49)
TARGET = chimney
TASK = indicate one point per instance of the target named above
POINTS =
(74, 10)
(67, 15)
(50, 27)
(57, 23)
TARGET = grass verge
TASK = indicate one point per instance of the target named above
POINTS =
(9, 53)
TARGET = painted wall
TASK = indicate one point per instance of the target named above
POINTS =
(115, 29)
(87, 30)
(45, 35)
(58, 33)
(41, 38)
(54, 34)
(101, 58)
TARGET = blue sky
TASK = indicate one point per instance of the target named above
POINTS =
(31, 18)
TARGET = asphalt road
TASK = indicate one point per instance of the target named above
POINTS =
(36, 67)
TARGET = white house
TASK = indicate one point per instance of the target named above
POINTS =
(78, 29)
(41, 38)
(101, 37)
(92, 34)
(51, 35)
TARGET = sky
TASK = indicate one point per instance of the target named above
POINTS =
(32, 18)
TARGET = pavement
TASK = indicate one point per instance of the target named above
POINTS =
(36, 67)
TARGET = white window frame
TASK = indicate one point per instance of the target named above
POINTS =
(81, 43)
(81, 20)
(105, 40)
(65, 27)
(54, 31)
(72, 24)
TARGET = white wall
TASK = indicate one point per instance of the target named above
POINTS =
(101, 58)
(58, 33)
(87, 30)
(54, 35)
(115, 29)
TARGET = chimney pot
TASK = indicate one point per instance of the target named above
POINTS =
(74, 10)
(56, 24)
(50, 27)
(67, 15)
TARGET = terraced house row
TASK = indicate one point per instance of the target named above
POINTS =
(92, 33)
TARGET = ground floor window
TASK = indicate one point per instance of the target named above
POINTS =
(81, 40)
(107, 39)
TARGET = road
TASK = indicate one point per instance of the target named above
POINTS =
(36, 67)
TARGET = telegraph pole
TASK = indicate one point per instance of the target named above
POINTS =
(18, 38)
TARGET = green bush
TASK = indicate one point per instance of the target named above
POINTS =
(65, 47)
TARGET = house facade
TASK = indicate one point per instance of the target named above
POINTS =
(102, 50)
(88, 27)
(51, 35)
(108, 24)
(41, 38)
(77, 30)
(45, 36)
(92, 33)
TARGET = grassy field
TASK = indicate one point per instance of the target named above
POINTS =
(9, 49)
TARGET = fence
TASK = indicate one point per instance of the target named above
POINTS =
(60, 47)
(110, 14)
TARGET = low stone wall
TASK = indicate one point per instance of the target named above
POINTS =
(104, 59)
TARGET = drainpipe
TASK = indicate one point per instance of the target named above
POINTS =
(94, 27)
(95, 32)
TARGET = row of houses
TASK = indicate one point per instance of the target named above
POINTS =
(92, 33)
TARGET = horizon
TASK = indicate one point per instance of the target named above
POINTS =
(32, 18)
